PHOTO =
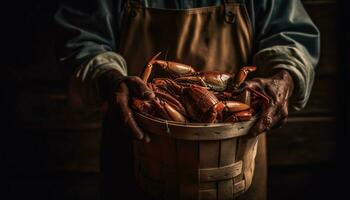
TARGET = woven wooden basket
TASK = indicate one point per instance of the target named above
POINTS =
(193, 160)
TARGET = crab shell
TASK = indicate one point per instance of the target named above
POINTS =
(202, 105)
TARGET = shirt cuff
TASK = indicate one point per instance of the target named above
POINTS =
(296, 61)
(86, 78)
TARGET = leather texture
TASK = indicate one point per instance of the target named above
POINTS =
(200, 37)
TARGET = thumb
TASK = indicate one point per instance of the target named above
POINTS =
(139, 88)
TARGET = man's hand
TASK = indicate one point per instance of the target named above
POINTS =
(279, 88)
(131, 86)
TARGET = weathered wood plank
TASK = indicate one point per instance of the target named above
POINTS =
(303, 182)
(65, 186)
(43, 152)
(209, 158)
(151, 166)
(302, 141)
(50, 110)
(322, 99)
(188, 164)
(228, 147)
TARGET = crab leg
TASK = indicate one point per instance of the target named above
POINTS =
(166, 111)
(235, 106)
(171, 101)
(148, 69)
(173, 68)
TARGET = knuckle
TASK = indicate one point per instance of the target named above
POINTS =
(278, 104)
(138, 79)
(267, 122)
(143, 85)
(273, 104)
(133, 78)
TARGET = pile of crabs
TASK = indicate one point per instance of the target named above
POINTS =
(184, 95)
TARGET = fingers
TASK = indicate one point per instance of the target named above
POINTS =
(122, 99)
(139, 88)
(280, 122)
(265, 121)
(257, 85)
(274, 115)
(248, 84)
(282, 116)
(254, 84)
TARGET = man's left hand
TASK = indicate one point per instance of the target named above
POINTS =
(279, 88)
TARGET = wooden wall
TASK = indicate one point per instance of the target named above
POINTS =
(302, 153)
(53, 149)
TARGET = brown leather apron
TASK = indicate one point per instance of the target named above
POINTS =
(207, 38)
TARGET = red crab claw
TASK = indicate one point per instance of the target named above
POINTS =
(242, 75)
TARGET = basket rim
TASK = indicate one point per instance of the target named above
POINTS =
(189, 124)
(194, 131)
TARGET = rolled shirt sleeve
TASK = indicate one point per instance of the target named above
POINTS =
(86, 79)
(286, 38)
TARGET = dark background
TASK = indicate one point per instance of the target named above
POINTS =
(52, 149)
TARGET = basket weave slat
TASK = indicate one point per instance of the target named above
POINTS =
(192, 161)
(220, 173)
(225, 187)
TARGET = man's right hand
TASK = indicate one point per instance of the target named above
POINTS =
(132, 86)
